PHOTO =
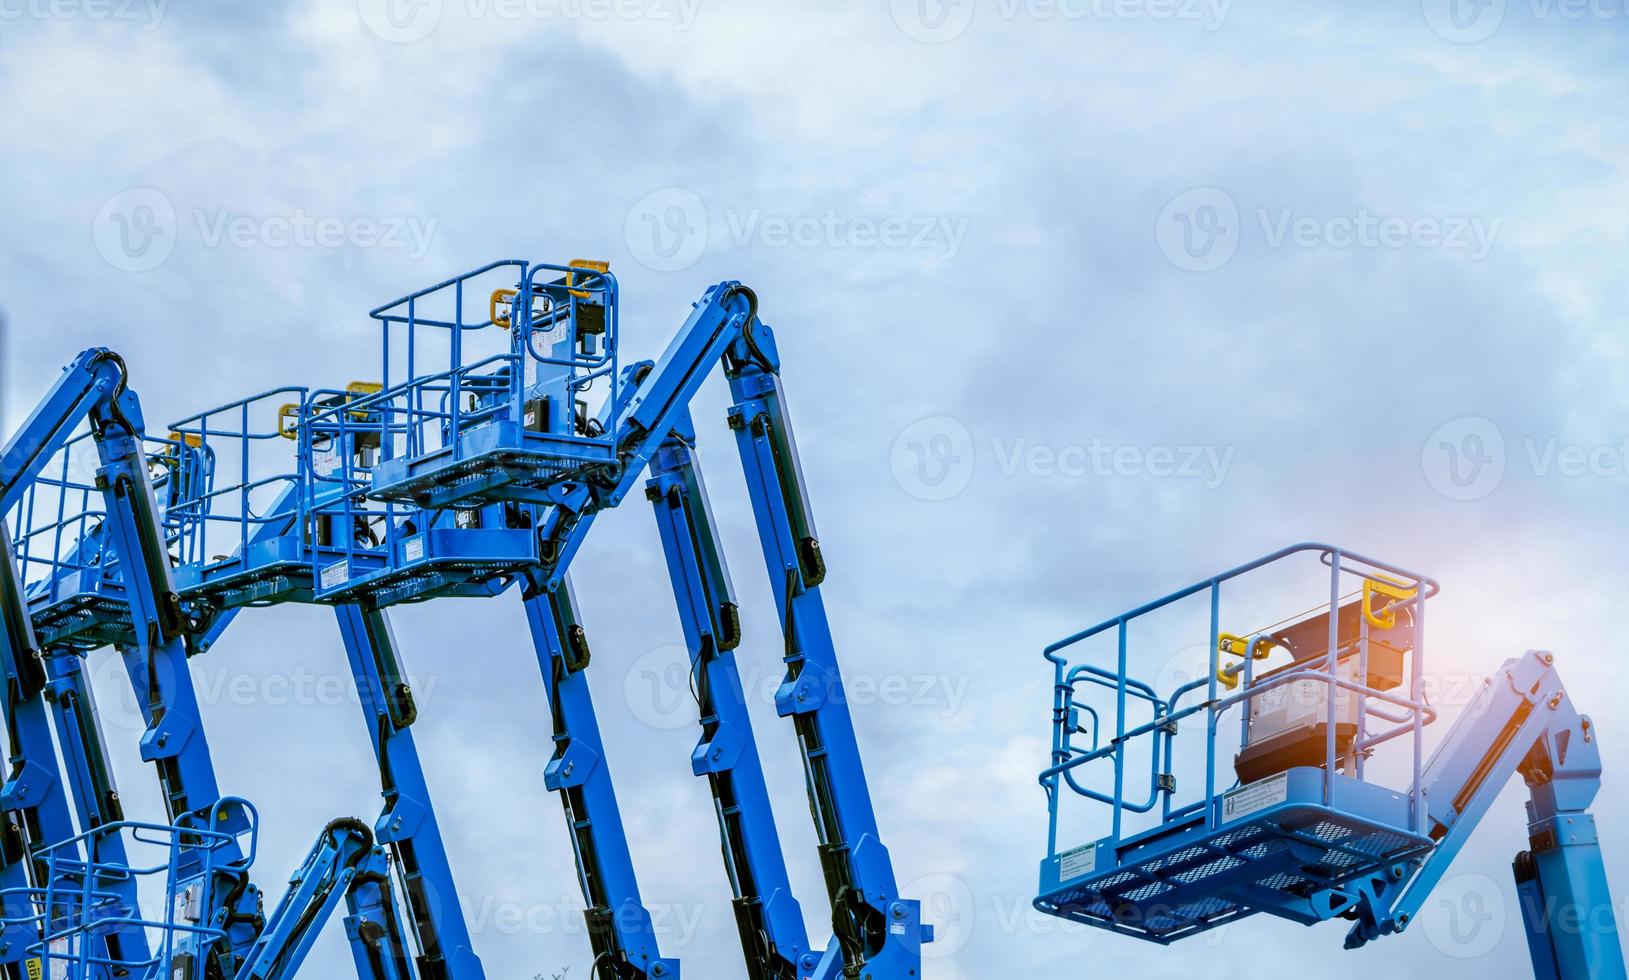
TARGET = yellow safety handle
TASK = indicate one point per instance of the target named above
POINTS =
(587, 265)
(1234, 645)
(500, 297)
(290, 410)
(362, 389)
(1386, 618)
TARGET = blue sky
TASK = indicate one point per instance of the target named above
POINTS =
(1080, 301)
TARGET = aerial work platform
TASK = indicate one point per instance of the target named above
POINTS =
(508, 426)
(502, 426)
(1282, 771)
(1273, 846)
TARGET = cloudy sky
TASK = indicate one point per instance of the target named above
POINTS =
(1080, 301)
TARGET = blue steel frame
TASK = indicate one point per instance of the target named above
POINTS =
(1311, 843)
(235, 548)
(94, 385)
(70, 575)
(465, 480)
(72, 912)
(277, 556)
(493, 433)
(1200, 867)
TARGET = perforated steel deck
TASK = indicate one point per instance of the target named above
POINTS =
(497, 461)
(1288, 859)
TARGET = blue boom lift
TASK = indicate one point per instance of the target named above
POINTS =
(1309, 826)
(465, 477)
(72, 895)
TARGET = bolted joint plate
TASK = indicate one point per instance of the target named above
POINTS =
(719, 753)
(571, 768)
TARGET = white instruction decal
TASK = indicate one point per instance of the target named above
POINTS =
(1258, 795)
(326, 461)
(413, 548)
(336, 574)
(1077, 863)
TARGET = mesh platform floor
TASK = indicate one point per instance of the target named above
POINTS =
(1295, 852)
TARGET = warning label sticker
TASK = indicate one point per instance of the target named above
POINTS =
(1077, 863)
(336, 574)
(1257, 796)
(413, 548)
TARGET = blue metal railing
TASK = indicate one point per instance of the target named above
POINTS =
(77, 907)
(1400, 715)
(217, 526)
(56, 524)
(429, 409)
(537, 337)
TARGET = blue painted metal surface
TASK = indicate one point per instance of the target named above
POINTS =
(542, 430)
(74, 911)
(1305, 832)
(133, 537)
(70, 572)
(70, 899)
(408, 826)
(767, 914)
(503, 425)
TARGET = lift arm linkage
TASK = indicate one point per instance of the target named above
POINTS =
(94, 387)
(768, 915)
(343, 864)
(876, 930)
(1522, 721)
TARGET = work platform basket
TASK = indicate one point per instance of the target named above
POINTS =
(1235, 771)
(125, 901)
(68, 566)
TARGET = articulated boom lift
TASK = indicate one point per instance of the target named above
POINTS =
(1303, 832)
(72, 896)
(463, 477)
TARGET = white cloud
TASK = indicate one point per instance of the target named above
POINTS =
(1057, 321)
